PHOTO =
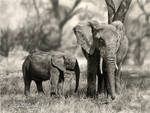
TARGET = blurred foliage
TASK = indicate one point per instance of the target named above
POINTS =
(40, 31)
(43, 28)
(7, 41)
(37, 34)
(138, 32)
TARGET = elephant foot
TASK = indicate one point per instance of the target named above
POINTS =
(100, 91)
(106, 95)
(113, 97)
(110, 99)
(118, 91)
(91, 93)
(104, 99)
(27, 93)
(53, 94)
(41, 93)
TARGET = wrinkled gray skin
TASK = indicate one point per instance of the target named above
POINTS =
(41, 66)
(107, 42)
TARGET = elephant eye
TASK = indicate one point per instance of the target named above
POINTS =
(101, 42)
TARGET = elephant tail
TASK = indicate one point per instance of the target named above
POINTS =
(25, 67)
(77, 73)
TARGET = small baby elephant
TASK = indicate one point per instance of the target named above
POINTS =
(41, 66)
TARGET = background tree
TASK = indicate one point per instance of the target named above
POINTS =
(139, 35)
(45, 30)
(7, 41)
(118, 14)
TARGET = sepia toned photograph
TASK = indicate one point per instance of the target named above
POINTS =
(74, 56)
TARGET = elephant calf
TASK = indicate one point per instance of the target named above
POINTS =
(42, 66)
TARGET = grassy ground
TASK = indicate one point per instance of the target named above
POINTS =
(135, 98)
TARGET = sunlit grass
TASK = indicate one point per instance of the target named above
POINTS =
(135, 98)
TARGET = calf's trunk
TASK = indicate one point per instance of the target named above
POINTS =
(77, 73)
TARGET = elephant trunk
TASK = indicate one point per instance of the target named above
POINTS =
(111, 75)
(77, 73)
(101, 65)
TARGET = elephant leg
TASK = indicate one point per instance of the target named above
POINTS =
(27, 83)
(100, 82)
(39, 87)
(91, 84)
(77, 74)
(60, 83)
(118, 79)
(54, 80)
(103, 85)
(106, 84)
(91, 76)
(60, 88)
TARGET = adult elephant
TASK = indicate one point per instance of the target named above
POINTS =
(40, 66)
(105, 46)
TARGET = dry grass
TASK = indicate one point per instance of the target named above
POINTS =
(135, 97)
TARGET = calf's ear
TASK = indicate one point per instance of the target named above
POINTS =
(58, 62)
(120, 30)
(69, 62)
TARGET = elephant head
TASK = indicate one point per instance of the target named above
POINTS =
(104, 37)
(66, 62)
(63, 61)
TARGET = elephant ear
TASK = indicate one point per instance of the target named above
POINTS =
(58, 61)
(83, 33)
(69, 62)
(119, 28)
(120, 31)
(99, 28)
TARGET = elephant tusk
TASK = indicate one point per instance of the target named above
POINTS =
(116, 66)
(101, 64)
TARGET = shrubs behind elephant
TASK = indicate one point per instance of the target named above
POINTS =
(42, 66)
(105, 46)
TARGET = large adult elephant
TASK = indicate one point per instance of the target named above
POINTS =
(40, 66)
(105, 46)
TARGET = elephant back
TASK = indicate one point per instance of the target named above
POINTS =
(42, 58)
